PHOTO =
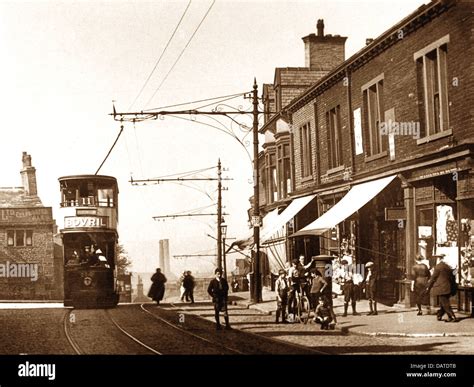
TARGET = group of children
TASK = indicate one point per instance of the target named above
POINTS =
(319, 291)
(320, 299)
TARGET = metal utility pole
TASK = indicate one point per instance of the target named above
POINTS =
(257, 294)
(256, 221)
(219, 216)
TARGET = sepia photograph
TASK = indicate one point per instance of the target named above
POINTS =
(243, 182)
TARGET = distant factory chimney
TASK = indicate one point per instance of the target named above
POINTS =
(165, 256)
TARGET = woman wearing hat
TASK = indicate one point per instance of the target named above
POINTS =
(420, 274)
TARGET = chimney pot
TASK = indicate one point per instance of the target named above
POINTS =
(320, 27)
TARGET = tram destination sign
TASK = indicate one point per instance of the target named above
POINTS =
(85, 222)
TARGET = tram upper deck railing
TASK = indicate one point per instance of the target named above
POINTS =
(89, 201)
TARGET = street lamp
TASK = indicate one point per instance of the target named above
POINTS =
(223, 235)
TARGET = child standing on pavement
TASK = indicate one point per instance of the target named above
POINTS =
(281, 289)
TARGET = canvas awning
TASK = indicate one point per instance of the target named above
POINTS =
(288, 213)
(273, 222)
(356, 198)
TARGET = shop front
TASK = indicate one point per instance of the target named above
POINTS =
(442, 204)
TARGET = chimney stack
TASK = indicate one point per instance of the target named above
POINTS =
(368, 41)
(320, 27)
(28, 176)
(323, 52)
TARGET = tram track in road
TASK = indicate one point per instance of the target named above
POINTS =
(106, 337)
(233, 350)
(130, 336)
(247, 342)
(66, 319)
(169, 338)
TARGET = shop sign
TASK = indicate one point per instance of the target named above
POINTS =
(395, 213)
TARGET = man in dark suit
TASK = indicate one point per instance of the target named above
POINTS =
(218, 289)
(443, 284)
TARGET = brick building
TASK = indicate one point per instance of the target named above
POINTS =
(322, 53)
(28, 269)
(383, 143)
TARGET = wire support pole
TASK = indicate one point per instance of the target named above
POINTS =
(257, 294)
(219, 215)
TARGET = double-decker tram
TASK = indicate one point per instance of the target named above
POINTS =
(89, 213)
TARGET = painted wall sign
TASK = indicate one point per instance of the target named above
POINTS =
(26, 215)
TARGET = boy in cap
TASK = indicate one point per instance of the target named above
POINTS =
(281, 290)
(324, 314)
(371, 288)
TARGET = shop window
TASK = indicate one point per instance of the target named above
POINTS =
(438, 232)
(466, 240)
(19, 238)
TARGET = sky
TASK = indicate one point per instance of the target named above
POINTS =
(63, 63)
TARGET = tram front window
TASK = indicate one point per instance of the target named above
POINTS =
(106, 197)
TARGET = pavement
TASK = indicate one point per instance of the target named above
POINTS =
(391, 321)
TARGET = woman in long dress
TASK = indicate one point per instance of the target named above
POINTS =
(420, 276)
(157, 289)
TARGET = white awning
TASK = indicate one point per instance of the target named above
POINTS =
(356, 198)
(288, 213)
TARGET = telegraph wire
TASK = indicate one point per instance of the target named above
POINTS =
(181, 54)
(161, 56)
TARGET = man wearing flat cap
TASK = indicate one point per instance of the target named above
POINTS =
(218, 289)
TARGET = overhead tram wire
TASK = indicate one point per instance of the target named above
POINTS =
(230, 96)
(182, 52)
(233, 135)
(161, 56)
(184, 174)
